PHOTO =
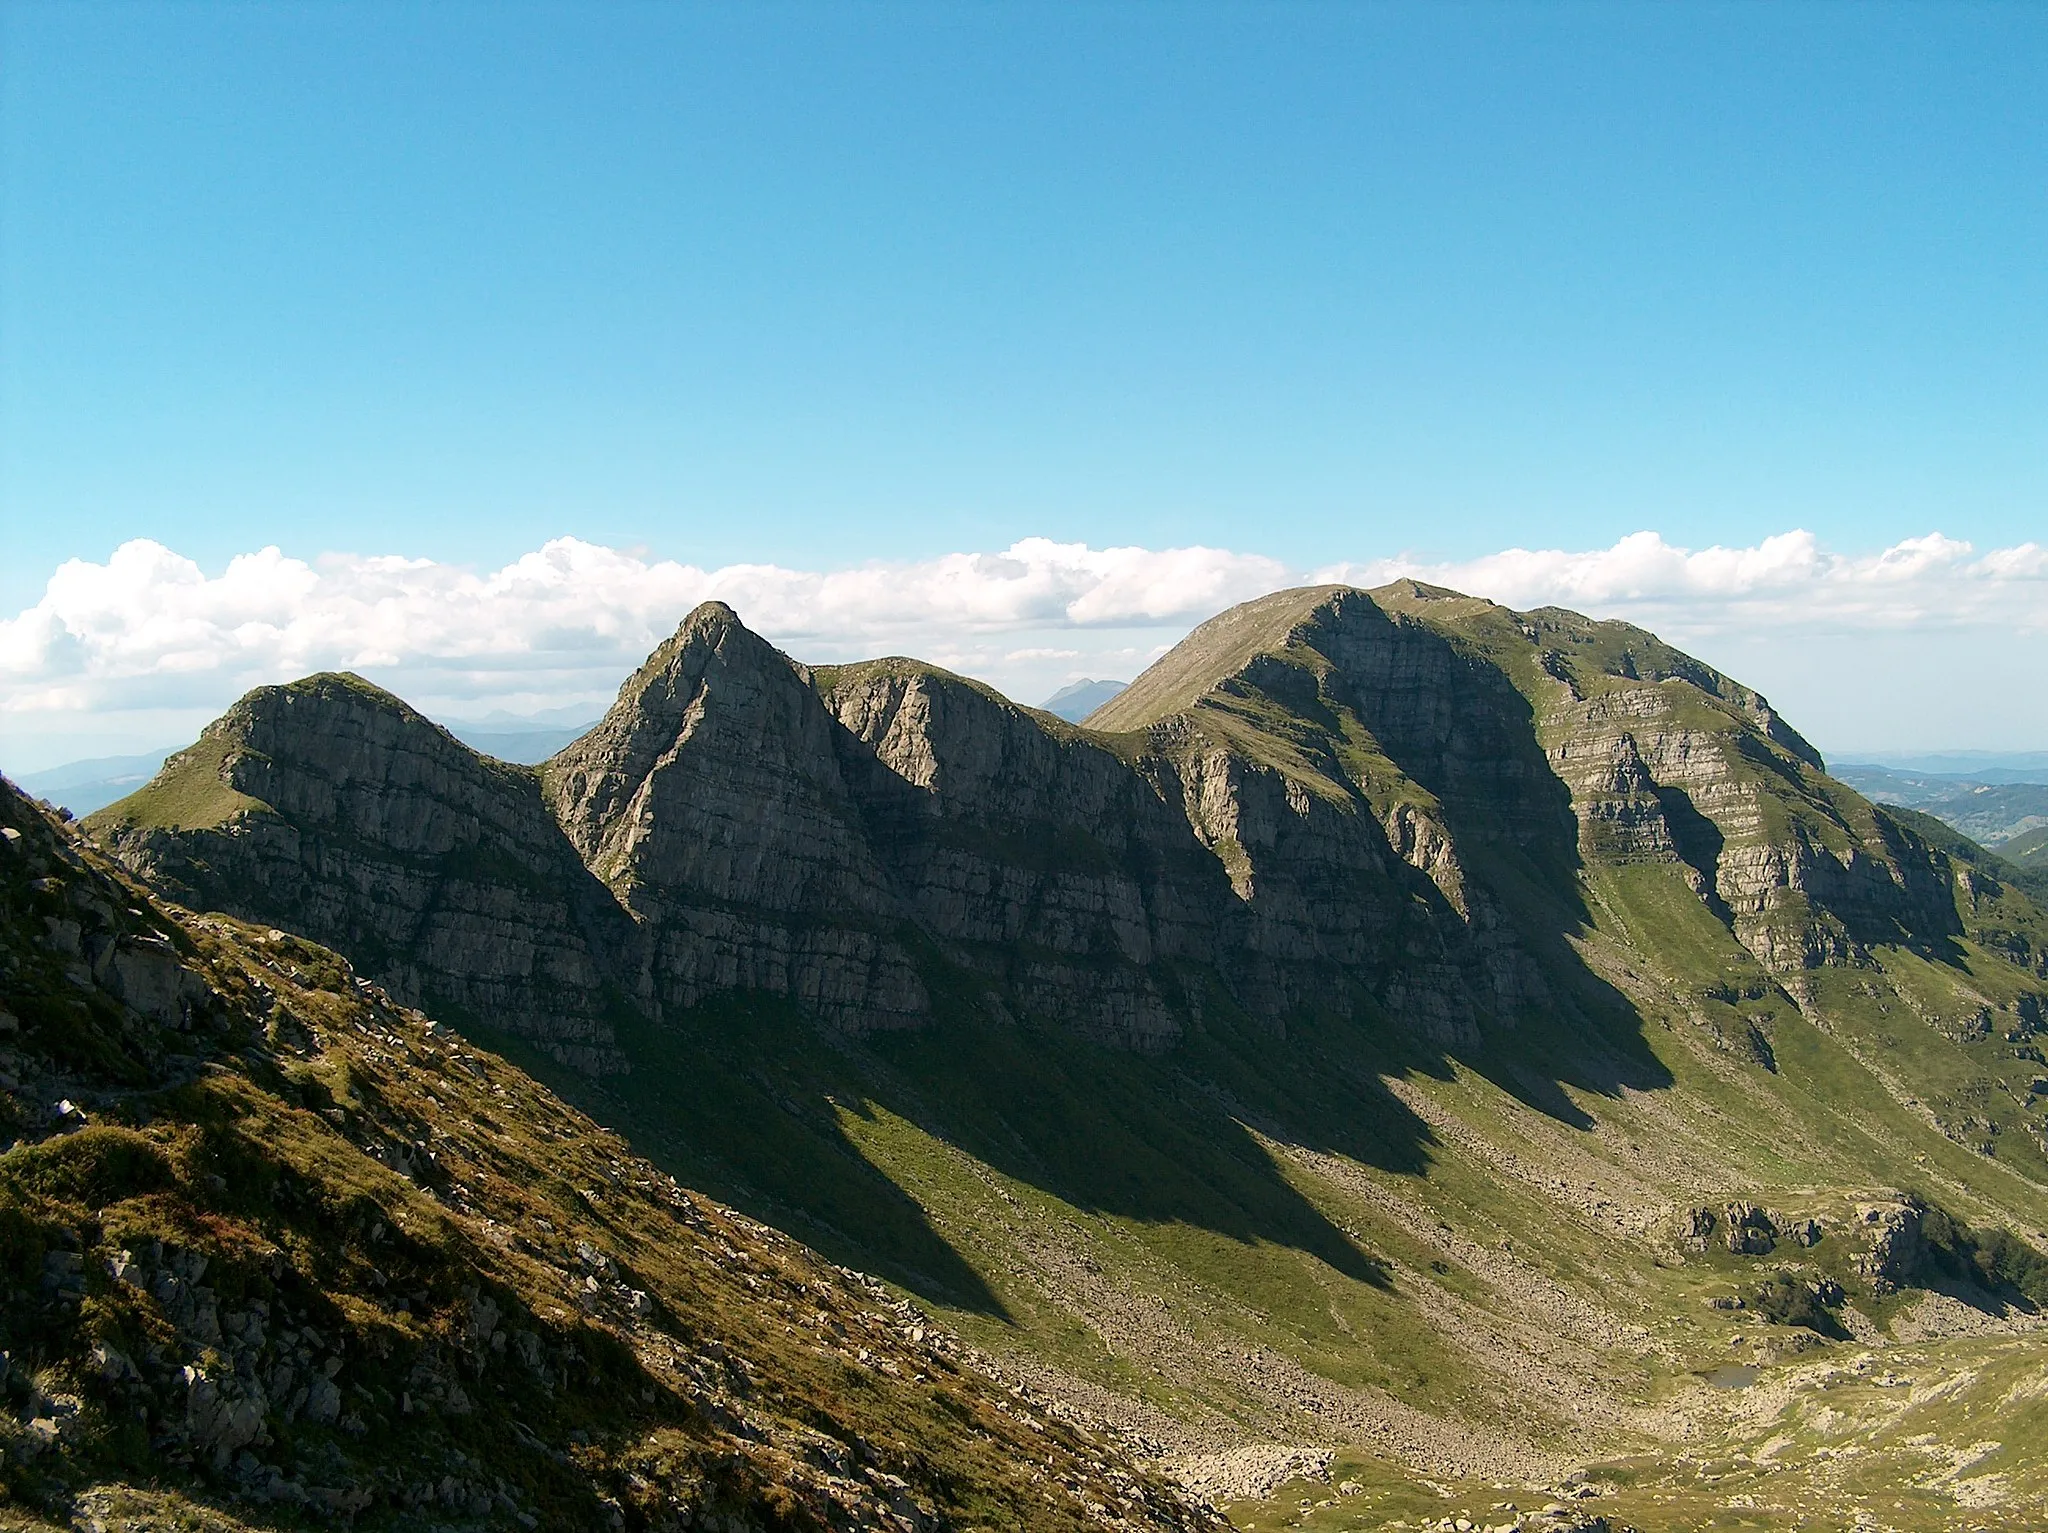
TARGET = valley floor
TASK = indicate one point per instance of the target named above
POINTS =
(1493, 1303)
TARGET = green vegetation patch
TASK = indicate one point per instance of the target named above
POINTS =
(189, 792)
(1787, 1298)
(1996, 1259)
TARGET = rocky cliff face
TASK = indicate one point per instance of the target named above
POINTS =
(332, 808)
(1350, 769)
(711, 802)
(1326, 799)
(1037, 862)
(1666, 760)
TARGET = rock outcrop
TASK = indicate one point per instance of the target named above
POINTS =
(1030, 855)
(1325, 799)
(1669, 761)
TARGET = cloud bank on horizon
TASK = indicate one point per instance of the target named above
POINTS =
(144, 648)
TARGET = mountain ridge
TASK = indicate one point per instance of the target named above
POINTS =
(1392, 1002)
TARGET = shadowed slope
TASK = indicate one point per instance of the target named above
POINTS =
(292, 1253)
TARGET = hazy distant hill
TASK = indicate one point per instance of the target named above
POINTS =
(1075, 701)
(1973, 766)
(83, 786)
(1400, 1039)
(1991, 812)
(527, 747)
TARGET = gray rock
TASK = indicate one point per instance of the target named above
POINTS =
(1894, 1245)
(223, 1414)
(365, 826)
(1287, 811)
(1749, 1230)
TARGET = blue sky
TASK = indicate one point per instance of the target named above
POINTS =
(816, 284)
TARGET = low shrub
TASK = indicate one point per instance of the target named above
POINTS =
(96, 1166)
(1785, 1298)
(1994, 1258)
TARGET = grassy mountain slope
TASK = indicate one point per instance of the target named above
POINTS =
(1555, 1043)
(2029, 853)
(286, 1253)
(1464, 1273)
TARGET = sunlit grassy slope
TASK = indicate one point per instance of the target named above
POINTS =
(1464, 1268)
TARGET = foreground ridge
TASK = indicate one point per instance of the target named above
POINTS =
(279, 1247)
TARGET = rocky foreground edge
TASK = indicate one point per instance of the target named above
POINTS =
(277, 1249)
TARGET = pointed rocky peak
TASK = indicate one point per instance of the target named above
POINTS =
(707, 627)
(715, 777)
(652, 701)
(712, 663)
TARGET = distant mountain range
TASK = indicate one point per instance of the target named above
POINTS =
(83, 786)
(1075, 701)
(1401, 1056)
(1973, 766)
(524, 745)
(1994, 809)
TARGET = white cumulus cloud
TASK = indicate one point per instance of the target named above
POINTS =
(1784, 581)
(143, 648)
(150, 637)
